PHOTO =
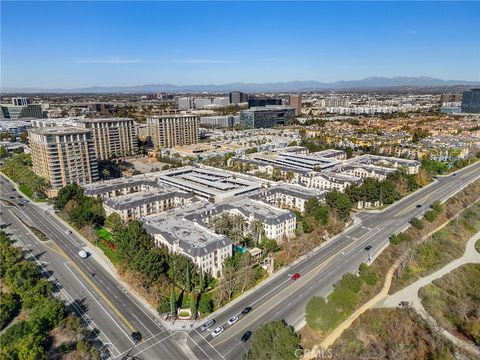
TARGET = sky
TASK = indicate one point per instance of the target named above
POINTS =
(66, 44)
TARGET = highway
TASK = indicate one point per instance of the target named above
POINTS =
(113, 313)
(104, 305)
(283, 298)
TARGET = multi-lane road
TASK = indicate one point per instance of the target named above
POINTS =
(109, 309)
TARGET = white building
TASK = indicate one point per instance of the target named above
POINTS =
(182, 236)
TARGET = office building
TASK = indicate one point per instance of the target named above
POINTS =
(102, 109)
(63, 155)
(21, 101)
(223, 121)
(237, 97)
(185, 103)
(111, 136)
(266, 117)
(471, 101)
(21, 111)
(450, 98)
(296, 102)
(170, 131)
(201, 103)
(263, 101)
(221, 101)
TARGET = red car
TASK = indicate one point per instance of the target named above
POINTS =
(295, 276)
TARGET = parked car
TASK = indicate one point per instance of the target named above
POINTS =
(295, 276)
(246, 336)
(232, 320)
(217, 331)
(207, 325)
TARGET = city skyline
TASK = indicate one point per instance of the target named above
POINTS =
(216, 43)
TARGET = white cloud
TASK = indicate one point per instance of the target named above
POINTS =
(209, 61)
(108, 60)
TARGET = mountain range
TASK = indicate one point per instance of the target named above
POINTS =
(367, 83)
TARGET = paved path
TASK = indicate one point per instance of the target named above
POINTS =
(410, 293)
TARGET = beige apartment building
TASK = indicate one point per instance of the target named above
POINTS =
(63, 155)
(173, 130)
(111, 136)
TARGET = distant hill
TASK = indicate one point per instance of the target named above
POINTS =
(367, 83)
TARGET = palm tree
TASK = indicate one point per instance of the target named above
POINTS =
(105, 173)
(256, 228)
(236, 235)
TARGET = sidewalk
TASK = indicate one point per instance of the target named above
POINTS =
(410, 293)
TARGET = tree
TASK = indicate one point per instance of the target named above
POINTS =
(173, 302)
(205, 304)
(105, 173)
(114, 222)
(188, 283)
(3, 152)
(340, 202)
(274, 340)
(256, 229)
(193, 305)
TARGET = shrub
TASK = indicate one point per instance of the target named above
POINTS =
(430, 215)
(321, 315)
(417, 223)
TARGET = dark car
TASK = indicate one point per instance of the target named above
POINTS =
(295, 276)
(368, 247)
(246, 336)
(136, 336)
(419, 206)
(454, 174)
(207, 325)
(246, 310)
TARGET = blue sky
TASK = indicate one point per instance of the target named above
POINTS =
(76, 44)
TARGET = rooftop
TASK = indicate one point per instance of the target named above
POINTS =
(133, 200)
(61, 130)
(192, 238)
(208, 183)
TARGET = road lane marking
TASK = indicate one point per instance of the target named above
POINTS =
(148, 347)
(191, 338)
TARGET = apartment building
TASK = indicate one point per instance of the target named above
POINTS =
(122, 186)
(277, 223)
(63, 155)
(328, 180)
(289, 196)
(175, 130)
(111, 136)
(140, 204)
(183, 236)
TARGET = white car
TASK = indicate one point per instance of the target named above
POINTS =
(233, 320)
(217, 331)
(68, 232)
(83, 254)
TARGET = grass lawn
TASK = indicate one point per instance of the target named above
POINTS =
(26, 190)
(111, 254)
(104, 234)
